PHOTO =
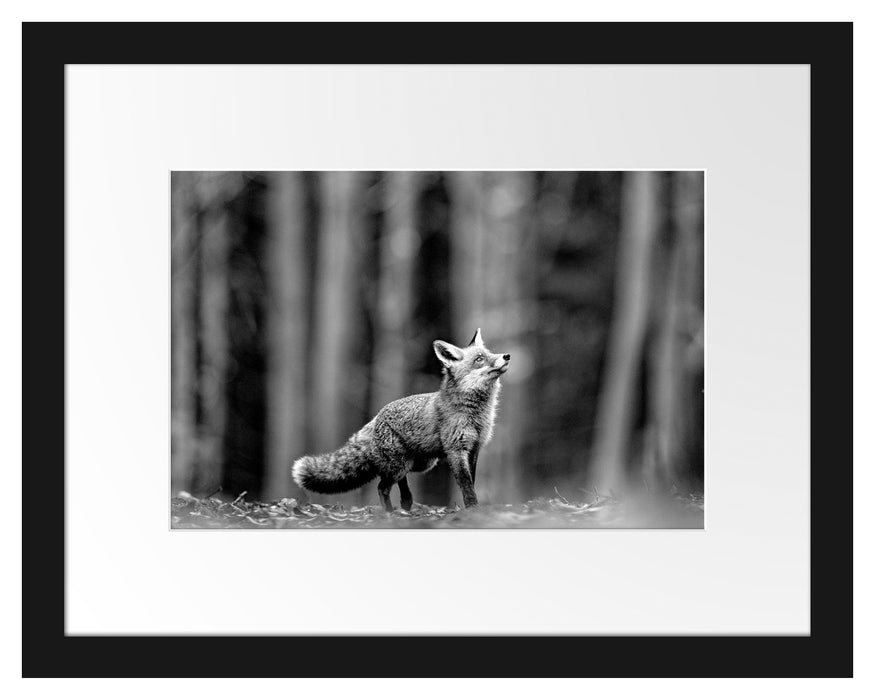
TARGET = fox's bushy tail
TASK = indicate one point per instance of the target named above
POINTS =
(345, 469)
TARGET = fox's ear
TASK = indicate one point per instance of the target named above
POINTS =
(446, 352)
(477, 339)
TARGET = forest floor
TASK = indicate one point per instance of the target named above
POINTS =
(674, 510)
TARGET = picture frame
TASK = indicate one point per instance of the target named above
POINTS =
(48, 48)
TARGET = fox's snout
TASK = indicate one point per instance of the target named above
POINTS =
(501, 367)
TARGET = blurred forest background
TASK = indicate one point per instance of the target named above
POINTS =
(302, 302)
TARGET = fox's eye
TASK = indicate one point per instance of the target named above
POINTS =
(478, 359)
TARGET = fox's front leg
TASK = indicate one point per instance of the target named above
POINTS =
(472, 461)
(459, 466)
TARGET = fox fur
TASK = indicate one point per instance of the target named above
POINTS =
(411, 434)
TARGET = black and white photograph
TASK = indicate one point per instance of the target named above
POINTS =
(553, 292)
(463, 349)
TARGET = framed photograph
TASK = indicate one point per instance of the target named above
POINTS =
(519, 356)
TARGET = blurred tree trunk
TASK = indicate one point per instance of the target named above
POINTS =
(467, 191)
(678, 320)
(492, 290)
(663, 430)
(617, 397)
(395, 289)
(509, 292)
(286, 331)
(183, 242)
(336, 309)
(691, 218)
(214, 306)
(467, 251)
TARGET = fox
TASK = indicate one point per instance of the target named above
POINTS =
(412, 433)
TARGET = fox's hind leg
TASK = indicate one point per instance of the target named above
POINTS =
(406, 496)
(390, 456)
(384, 488)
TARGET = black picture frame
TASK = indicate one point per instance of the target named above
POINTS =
(826, 47)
